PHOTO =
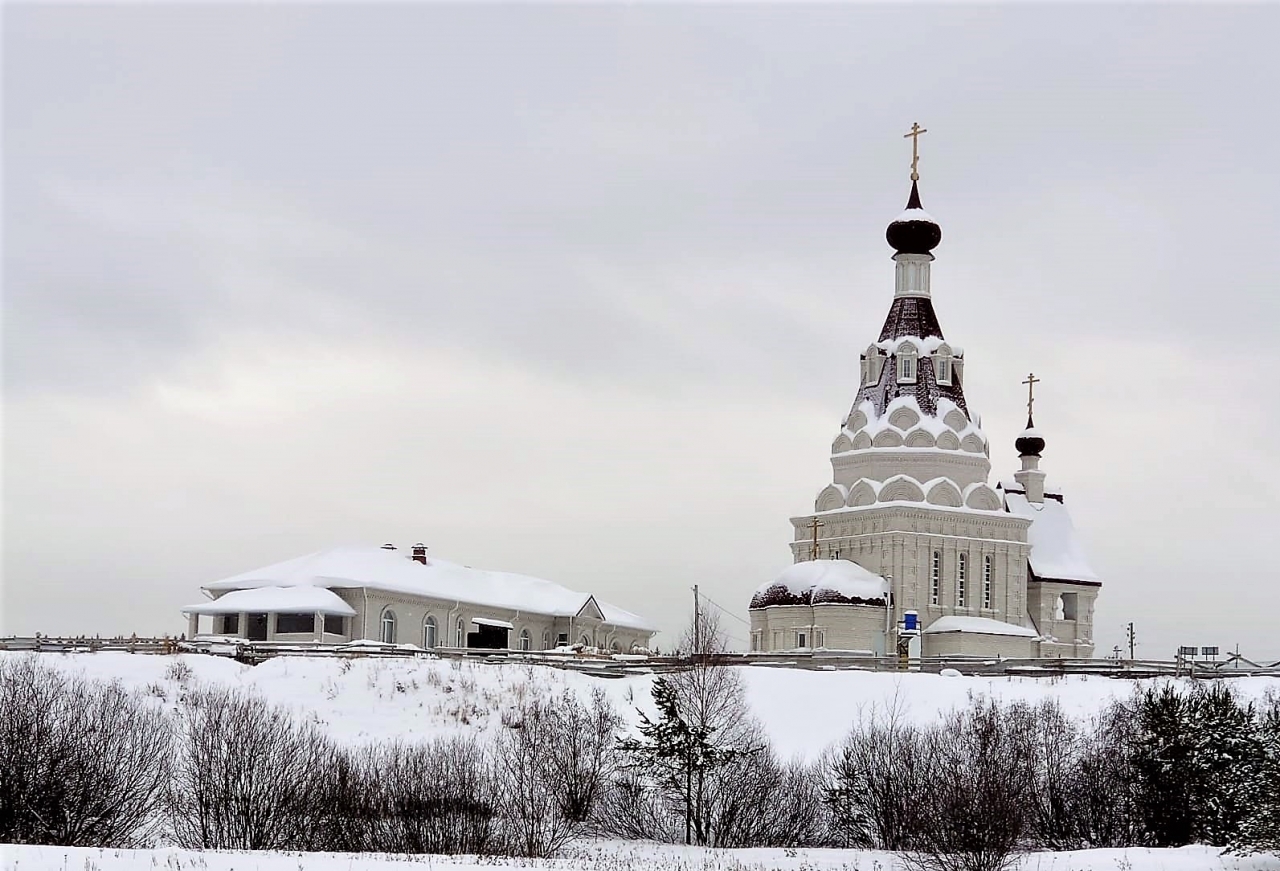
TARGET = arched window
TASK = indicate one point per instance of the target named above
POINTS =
(935, 579)
(615, 647)
(986, 582)
(906, 365)
(524, 639)
(429, 633)
(388, 626)
(546, 639)
(460, 634)
(942, 368)
(962, 579)
(585, 640)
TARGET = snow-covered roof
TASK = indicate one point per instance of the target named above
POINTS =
(276, 600)
(816, 582)
(979, 625)
(380, 569)
(1056, 552)
(914, 215)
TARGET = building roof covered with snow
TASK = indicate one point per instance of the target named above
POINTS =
(823, 581)
(391, 571)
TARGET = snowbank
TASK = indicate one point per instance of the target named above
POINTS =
(367, 699)
(606, 856)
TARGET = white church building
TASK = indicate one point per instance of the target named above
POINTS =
(391, 596)
(910, 549)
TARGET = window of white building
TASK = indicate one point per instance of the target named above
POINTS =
(388, 626)
(906, 366)
(429, 633)
(935, 579)
(802, 640)
(525, 641)
(942, 369)
(962, 579)
(986, 582)
(460, 634)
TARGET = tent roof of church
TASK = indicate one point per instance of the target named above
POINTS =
(1056, 552)
(394, 571)
(979, 625)
(823, 581)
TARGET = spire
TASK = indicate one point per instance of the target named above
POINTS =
(1029, 444)
(914, 231)
(913, 202)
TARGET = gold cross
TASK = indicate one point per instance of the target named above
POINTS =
(815, 524)
(1031, 383)
(914, 136)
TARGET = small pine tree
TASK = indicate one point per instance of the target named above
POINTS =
(677, 753)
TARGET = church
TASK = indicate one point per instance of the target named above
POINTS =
(910, 550)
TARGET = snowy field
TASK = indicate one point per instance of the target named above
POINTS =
(606, 856)
(357, 700)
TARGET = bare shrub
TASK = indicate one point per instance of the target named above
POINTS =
(968, 810)
(426, 798)
(245, 775)
(81, 763)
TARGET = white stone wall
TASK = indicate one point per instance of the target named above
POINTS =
(975, 644)
(1073, 637)
(832, 626)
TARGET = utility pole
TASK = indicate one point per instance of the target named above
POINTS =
(1131, 640)
(697, 622)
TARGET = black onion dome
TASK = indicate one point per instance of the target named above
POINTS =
(914, 234)
(1030, 443)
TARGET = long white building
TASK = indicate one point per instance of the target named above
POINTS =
(383, 594)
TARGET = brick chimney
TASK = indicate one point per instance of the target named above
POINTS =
(420, 553)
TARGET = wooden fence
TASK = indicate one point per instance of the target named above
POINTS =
(606, 665)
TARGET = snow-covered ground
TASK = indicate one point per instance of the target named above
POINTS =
(803, 712)
(606, 856)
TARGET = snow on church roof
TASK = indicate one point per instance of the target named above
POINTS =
(979, 625)
(1056, 552)
(381, 569)
(823, 581)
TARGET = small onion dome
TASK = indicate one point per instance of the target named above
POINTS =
(914, 231)
(1030, 443)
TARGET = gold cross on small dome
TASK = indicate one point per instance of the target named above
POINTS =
(1031, 383)
(914, 136)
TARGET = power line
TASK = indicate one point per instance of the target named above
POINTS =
(724, 609)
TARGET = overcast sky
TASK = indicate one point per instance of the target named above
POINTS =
(579, 291)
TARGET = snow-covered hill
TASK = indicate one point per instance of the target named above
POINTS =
(804, 712)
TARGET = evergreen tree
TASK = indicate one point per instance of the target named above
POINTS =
(1226, 757)
(677, 754)
(1260, 828)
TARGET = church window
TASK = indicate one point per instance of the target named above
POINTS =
(802, 640)
(906, 367)
(835, 553)
(460, 634)
(820, 638)
(935, 579)
(942, 369)
(333, 624)
(562, 639)
(546, 639)
(755, 642)
(429, 633)
(986, 582)
(388, 626)
(962, 579)
(524, 639)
